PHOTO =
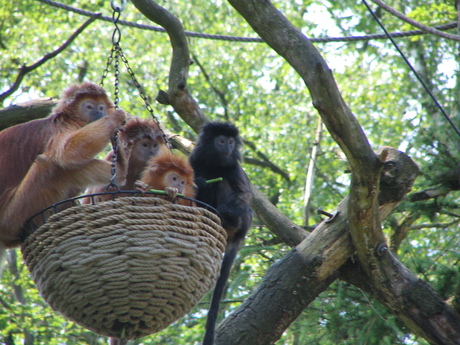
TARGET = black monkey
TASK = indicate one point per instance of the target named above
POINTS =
(215, 155)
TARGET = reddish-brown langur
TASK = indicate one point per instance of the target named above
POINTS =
(48, 160)
(146, 139)
(171, 173)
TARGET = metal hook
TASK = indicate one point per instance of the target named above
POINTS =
(331, 216)
(116, 8)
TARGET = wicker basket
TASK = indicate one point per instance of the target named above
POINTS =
(126, 268)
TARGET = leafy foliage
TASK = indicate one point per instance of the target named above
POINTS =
(251, 85)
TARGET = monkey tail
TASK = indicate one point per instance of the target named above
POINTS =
(227, 262)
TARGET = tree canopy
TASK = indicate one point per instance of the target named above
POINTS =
(332, 117)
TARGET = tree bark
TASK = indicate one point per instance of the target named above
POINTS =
(391, 282)
(178, 94)
(24, 112)
(320, 256)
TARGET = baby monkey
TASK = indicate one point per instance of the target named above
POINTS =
(171, 173)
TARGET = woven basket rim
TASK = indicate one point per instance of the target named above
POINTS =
(32, 227)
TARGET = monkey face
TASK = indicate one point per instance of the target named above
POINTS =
(173, 179)
(224, 145)
(92, 110)
(144, 149)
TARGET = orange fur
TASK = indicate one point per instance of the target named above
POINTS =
(164, 162)
(48, 160)
(136, 132)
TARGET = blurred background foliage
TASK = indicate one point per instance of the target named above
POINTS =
(249, 84)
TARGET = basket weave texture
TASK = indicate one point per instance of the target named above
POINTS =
(126, 268)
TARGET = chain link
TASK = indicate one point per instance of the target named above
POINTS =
(142, 94)
(114, 162)
(116, 53)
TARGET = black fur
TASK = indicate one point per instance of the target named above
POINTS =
(231, 197)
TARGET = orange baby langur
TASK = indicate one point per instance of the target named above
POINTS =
(171, 173)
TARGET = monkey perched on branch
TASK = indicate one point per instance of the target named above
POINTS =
(215, 155)
(48, 160)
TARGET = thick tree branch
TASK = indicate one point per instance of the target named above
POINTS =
(178, 94)
(285, 291)
(391, 282)
(24, 112)
(291, 44)
(27, 69)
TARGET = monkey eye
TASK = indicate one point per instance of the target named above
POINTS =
(222, 141)
(145, 144)
(231, 141)
(174, 178)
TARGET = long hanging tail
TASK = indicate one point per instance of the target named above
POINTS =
(211, 321)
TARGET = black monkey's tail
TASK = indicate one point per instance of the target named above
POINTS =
(211, 321)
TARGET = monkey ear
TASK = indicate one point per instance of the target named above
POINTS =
(154, 168)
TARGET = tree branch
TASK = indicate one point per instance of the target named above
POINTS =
(27, 69)
(24, 112)
(178, 94)
(220, 94)
(391, 282)
(266, 161)
(418, 25)
(311, 173)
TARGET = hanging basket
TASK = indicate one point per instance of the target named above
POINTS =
(126, 268)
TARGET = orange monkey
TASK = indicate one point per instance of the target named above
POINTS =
(171, 173)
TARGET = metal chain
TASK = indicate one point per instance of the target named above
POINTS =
(114, 57)
(141, 93)
(108, 63)
(114, 161)
(116, 53)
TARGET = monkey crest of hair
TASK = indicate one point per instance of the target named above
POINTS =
(137, 128)
(166, 160)
(212, 130)
(77, 92)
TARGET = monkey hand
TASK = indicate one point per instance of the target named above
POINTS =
(118, 119)
(171, 193)
(141, 186)
(118, 115)
(200, 183)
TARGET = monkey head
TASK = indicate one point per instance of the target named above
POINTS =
(169, 170)
(219, 144)
(87, 102)
(147, 138)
